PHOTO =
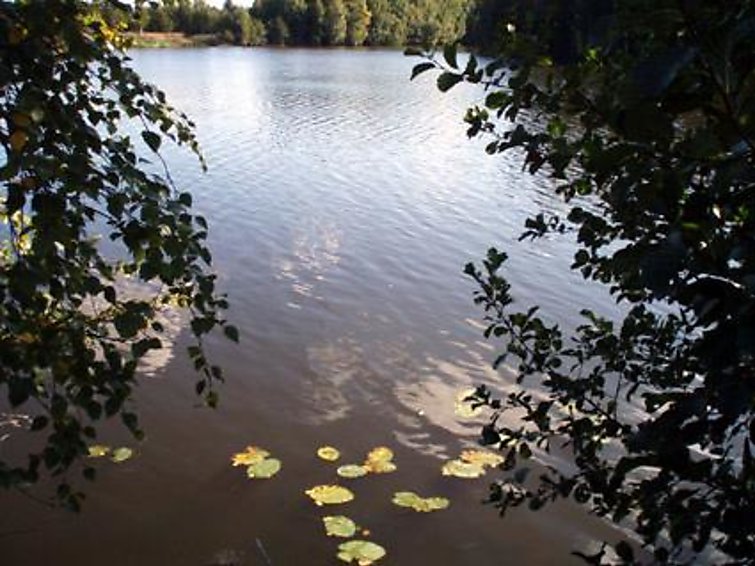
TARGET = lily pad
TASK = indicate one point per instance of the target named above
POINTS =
(251, 455)
(352, 471)
(265, 469)
(461, 469)
(329, 494)
(421, 504)
(339, 526)
(464, 408)
(380, 454)
(482, 457)
(379, 461)
(121, 454)
(98, 450)
(379, 467)
(363, 552)
(328, 453)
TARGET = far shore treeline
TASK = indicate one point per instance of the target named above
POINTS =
(310, 22)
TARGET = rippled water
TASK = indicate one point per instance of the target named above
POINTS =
(343, 202)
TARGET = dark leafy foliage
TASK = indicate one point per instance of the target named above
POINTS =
(646, 125)
(84, 216)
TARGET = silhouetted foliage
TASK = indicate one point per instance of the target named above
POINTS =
(96, 241)
(642, 115)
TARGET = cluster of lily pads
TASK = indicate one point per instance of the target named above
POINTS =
(116, 455)
(260, 465)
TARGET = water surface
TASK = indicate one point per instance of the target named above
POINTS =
(344, 202)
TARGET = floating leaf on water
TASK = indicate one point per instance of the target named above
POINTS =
(379, 467)
(98, 450)
(265, 469)
(351, 471)
(329, 494)
(482, 457)
(339, 526)
(328, 453)
(461, 469)
(379, 461)
(251, 455)
(380, 454)
(421, 504)
(464, 408)
(121, 454)
(363, 552)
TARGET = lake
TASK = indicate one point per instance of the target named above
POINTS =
(344, 201)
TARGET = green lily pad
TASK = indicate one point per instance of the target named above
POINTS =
(363, 552)
(421, 504)
(265, 469)
(121, 454)
(461, 469)
(98, 450)
(329, 494)
(351, 471)
(339, 526)
(328, 453)
(464, 408)
(251, 455)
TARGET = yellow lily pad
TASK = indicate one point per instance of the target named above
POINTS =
(98, 450)
(264, 470)
(363, 552)
(251, 455)
(339, 526)
(352, 471)
(379, 461)
(461, 469)
(464, 408)
(421, 504)
(329, 494)
(121, 454)
(328, 453)
(482, 457)
(380, 454)
(380, 467)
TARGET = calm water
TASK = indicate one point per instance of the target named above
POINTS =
(343, 201)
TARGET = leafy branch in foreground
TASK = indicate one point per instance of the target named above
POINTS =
(642, 115)
(96, 240)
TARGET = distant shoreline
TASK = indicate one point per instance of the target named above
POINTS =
(158, 40)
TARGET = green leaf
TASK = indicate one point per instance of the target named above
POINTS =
(362, 552)
(231, 332)
(419, 504)
(329, 494)
(449, 54)
(264, 469)
(152, 140)
(421, 68)
(352, 471)
(121, 454)
(339, 526)
(447, 80)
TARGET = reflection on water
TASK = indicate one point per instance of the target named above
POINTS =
(343, 202)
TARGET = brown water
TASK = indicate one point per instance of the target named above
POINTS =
(343, 201)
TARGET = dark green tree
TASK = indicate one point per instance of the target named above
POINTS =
(94, 242)
(642, 115)
(357, 22)
(334, 22)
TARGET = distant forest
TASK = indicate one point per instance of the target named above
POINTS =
(323, 22)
